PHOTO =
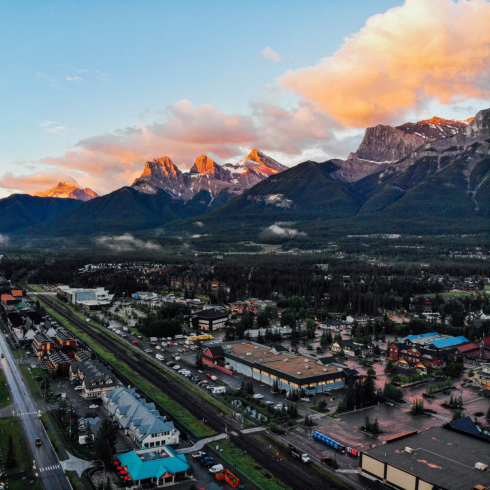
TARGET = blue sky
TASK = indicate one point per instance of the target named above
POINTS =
(91, 89)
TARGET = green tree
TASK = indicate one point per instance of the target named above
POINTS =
(89, 438)
(262, 319)
(322, 405)
(458, 414)
(11, 461)
(199, 364)
(371, 372)
(341, 353)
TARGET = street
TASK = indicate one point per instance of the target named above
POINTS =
(47, 464)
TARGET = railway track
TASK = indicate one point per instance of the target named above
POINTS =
(288, 471)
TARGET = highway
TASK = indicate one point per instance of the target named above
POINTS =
(47, 464)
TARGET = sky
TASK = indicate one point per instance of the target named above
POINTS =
(91, 90)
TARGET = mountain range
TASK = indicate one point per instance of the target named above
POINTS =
(429, 177)
(66, 190)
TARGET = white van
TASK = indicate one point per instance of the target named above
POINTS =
(214, 469)
(219, 390)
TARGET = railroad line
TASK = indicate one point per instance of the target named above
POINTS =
(288, 471)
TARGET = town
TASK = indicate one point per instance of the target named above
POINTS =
(162, 374)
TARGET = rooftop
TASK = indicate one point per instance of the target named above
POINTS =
(441, 457)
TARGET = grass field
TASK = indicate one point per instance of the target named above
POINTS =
(463, 294)
(4, 392)
(11, 425)
(175, 410)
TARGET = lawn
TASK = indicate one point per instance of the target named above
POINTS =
(21, 485)
(4, 392)
(11, 425)
(174, 409)
(36, 287)
(248, 466)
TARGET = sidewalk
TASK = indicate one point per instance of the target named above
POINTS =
(200, 444)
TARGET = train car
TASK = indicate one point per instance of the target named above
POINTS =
(330, 442)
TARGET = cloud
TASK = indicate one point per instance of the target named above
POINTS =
(268, 54)
(31, 184)
(421, 52)
(199, 223)
(282, 231)
(50, 127)
(126, 243)
(4, 239)
(111, 160)
(74, 79)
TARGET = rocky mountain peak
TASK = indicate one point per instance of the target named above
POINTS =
(68, 190)
(479, 126)
(160, 165)
(204, 165)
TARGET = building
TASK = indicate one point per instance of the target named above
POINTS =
(139, 419)
(42, 344)
(90, 298)
(350, 347)
(441, 458)
(159, 468)
(58, 363)
(268, 365)
(478, 352)
(209, 320)
(434, 340)
(96, 378)
(421, 358)
(255, 333)
(482, 377)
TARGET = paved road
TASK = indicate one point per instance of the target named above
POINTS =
(47, 463)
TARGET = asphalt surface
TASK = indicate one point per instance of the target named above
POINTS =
(47, 464)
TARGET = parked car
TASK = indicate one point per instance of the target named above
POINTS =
(214, 469)
(176, 367)
(279, 406)
(390, 404)
(170, 363)
(268, 402)
(94, 406)
(78, 388)
(258, 396)
(198, 454)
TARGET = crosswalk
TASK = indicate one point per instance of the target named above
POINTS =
(50, 468)
(19, 414)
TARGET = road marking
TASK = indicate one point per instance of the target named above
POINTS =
(27, 413)
(50, 468)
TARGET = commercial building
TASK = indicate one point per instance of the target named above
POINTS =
(440, 458)
(434, 340)
(139, 419)
(421, 358)
(270, 365)
(161, 467)
(209, 320)
(90, 298)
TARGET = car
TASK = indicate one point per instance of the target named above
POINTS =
(170, 363)
(94, 406)
(173, 344)
(38, 442)
(139, 336)
(210, 387)
(176, 367)
(305, 399)
(390, 404)
(279, 406)
(78, 388)
(331, 463)
(258, 396)
(198, 454)
(148, 351)
(375, 359)
(210, 462)
(268, 402)
(201, 383)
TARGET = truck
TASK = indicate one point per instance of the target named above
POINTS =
(298, 453)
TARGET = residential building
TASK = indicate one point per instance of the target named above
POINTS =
(96, 378)
(139, 419)
(350, 347)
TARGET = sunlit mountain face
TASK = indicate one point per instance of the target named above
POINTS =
(69, 191)
(206, 175)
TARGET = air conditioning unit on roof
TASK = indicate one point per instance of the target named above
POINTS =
(409, 450)
(481, 466)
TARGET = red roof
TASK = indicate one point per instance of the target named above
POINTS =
(17, 292)
(468, 346)
(486, 340)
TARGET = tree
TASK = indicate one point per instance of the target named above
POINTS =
(322, 405)
(262, 319)
(199, 364)
(11, 461)
(390, 367)
(371, 372)
(341, 353)
(105, 442)
(377, 350)
(89, 438)
(488, 413)
(457, 415)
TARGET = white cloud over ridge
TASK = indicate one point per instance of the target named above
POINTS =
(126, 243)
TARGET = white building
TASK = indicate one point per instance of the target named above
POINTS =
(88, 297)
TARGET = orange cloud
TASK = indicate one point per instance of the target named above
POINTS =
(31, 184)
(435, 50)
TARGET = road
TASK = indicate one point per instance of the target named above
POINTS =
(47, 463)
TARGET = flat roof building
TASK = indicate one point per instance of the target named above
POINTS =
(437, 458)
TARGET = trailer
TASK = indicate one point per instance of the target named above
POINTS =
(298, 453)
(336, 445)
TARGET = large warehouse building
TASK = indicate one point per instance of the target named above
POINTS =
(90, 298)
(267, 365)
(435, 459)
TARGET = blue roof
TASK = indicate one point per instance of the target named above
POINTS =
(466, 424)
(440, 344)
(421, 336)
(155, 468)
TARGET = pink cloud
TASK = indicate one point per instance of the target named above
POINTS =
(31, 184)
(435, 50)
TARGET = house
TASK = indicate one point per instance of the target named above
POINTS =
(157, 468)
(42, 344)
(209, 320)
(139, 419)
(96, 378)
(63, 337)
(58, 363)
(421, 358)
(482, 377)
(350, 347)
